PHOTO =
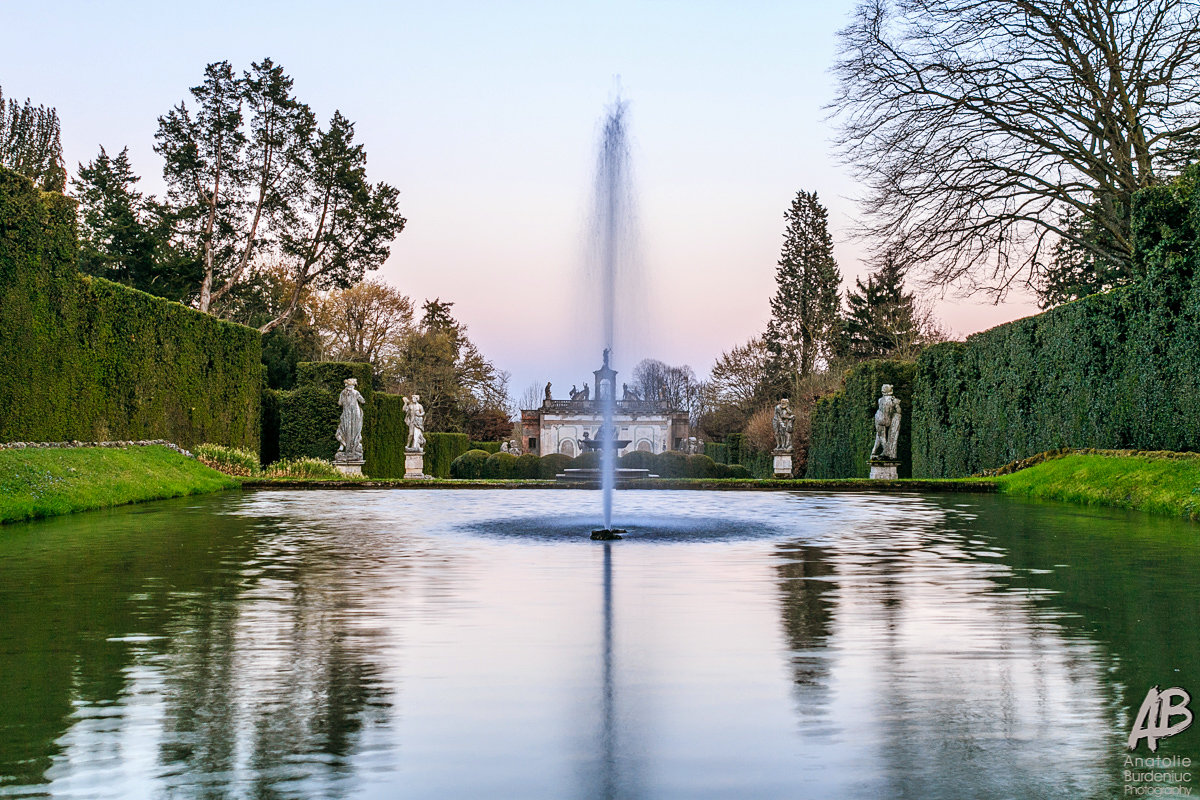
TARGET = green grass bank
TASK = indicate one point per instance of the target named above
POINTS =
(45, 482)
(1154, 482)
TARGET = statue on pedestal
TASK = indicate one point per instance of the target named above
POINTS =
(782, 424)
(887, 426)
(349, 432)
(414, 417)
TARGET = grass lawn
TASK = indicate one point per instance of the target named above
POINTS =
(1160, 484)
(37, 482)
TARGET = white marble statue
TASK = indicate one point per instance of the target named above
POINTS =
(782, 424)
(887, 426)
(414, 417)
(349, 432)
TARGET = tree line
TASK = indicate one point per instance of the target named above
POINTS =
(269, 220)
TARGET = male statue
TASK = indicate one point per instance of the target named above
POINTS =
(414, 417)
(887, 426)
(349, 432)
(782, 424)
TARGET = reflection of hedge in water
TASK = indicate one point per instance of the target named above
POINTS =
(88, 359)
(843, 424)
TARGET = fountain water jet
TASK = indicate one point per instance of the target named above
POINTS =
(613, 228)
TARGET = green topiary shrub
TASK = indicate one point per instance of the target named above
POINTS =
(469, 466)
(308, 421)
(588, 459)
(500, 465)
(549, 466)
(332, 375)
(699, 466)
(737, 471)
(440, 451)
(527, 466)
(488, 447)
(637, 459)
(671, 464)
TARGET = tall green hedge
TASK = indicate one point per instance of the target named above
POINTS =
(1112, 370)
(308, 422)
(843, 424)
(269, 449)
(440, 451)
(384, 436)
(84, 358)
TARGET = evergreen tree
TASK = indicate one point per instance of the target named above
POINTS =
(1081, 266)
(31, 143)
(804, 311)
(881, 318)
(203, 164)
(124, 236)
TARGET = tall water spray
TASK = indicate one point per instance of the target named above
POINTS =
(613, 234)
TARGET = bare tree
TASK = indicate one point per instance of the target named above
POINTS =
(979, 126)
(531, 397)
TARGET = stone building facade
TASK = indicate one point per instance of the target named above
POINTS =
(559, 426)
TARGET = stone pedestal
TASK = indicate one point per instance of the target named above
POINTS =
(883, 469)
(414, 466)
(783, 463)
(348, 466)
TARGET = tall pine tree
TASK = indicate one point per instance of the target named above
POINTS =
(804, 311)
(125, 236)
(31, 143)
(881, 318)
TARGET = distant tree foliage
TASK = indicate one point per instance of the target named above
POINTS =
(31, 143)
(804, 311)
(982, 127)
(1077, 269)
(251, 175)
(455, 381)
(367, 322)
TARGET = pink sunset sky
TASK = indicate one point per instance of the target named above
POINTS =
(486, 116)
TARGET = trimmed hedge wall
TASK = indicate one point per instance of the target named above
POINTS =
(308, 422)
(487, 447)
(440, 451)
(84, 358)
(384, 435)
(1113, 370)
(843, 424)
(268, 452)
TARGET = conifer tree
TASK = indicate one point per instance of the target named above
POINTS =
(31, 143)
(804, 311)
(125, 236)
(881, 318)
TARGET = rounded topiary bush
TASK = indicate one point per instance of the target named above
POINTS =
(699, 466)
(469, 466)
(589, 459)
(527, 466)
(500, 465)
(671, 464)
(638, 459)
(551, 465)
(738, 471)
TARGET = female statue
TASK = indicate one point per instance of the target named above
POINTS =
(349, 431)
(414, 417)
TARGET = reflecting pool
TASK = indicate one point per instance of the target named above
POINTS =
(433, 643)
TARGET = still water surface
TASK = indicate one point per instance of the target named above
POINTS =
(424, 643)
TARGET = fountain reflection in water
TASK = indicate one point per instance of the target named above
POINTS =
(613, 227)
